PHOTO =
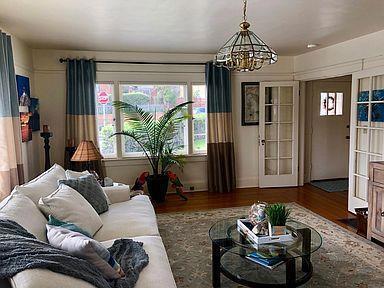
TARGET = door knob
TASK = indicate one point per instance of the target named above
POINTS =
(382, 214)
(262, 142)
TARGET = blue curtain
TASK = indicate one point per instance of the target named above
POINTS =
(81, 104)
(220, 149)
(81, 109)
(11, 168)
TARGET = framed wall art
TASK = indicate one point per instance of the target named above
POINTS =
(250, 92)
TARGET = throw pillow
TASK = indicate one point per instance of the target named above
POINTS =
(91, 190)
(84, 247)
(70, 226)
(68, 205)
(75, 174)
(23, 211)
(42, 185)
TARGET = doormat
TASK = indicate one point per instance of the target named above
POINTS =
(332, 185)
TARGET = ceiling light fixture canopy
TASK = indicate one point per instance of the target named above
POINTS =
(245, 51)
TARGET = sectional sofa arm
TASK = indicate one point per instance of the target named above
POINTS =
(118, 193)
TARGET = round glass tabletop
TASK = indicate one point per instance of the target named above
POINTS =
(306, 240)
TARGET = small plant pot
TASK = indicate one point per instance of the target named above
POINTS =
(157, 187)
(277, 230)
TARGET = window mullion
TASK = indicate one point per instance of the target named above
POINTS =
(190, 120)
(118, 121)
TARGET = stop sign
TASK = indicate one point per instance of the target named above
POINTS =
(103, 98)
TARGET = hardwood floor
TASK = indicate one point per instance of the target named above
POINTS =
(332, 206)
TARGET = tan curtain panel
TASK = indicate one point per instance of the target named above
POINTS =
(11, 168)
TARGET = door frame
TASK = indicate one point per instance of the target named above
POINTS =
(284, 180)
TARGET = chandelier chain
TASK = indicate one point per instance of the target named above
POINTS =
(245, 10)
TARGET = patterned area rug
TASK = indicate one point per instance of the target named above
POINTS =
(344, 260)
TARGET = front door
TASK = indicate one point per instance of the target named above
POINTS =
(278, 145)
(331, 106)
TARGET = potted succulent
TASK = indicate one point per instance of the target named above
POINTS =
(155, 137)
(277, 215)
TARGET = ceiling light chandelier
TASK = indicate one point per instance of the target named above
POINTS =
(245, 51)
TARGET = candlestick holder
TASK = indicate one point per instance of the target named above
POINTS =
(46, 136)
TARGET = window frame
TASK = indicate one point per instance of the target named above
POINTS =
(119, 118)
(196, 152)
(114, 111)
(334, 103)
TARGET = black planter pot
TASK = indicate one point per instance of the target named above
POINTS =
(157, 187)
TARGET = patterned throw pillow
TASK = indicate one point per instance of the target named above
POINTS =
(67, 225)
(91, 190)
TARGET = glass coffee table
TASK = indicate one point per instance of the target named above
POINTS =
(230, 248)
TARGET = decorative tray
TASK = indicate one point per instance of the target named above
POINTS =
(244, 226)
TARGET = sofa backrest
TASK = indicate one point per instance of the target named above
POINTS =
(22, 210)
(43, 185)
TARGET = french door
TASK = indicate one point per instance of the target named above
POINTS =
(278, 129)
(367, 133)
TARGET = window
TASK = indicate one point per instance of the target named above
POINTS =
(105, 119)
(157, 99)
(199, 98)
(331, 103)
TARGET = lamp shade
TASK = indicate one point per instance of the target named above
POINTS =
(86, 151)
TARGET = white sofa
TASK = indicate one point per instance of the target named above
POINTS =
(133, 218)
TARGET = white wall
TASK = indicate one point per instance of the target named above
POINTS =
(341, 59)
(337, 60)
(50, 85)
(31, 150)
(246, 137)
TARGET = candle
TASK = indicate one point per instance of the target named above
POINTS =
(45, 128)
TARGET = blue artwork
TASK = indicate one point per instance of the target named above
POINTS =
(377, 113)
(23, 90)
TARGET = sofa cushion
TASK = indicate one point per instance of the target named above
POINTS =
(42, 185)
(135, 217)
(68, 205)
(43, 278)
(84, 247)
(117, 193)
(22, 210)
(157, 274)
(91, 190)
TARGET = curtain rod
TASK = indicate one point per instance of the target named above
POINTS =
(62, 60)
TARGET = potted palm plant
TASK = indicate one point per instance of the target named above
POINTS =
(156, 138)
(277, 215)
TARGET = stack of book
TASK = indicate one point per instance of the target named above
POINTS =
(270, 263)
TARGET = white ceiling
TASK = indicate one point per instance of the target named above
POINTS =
(186, 26)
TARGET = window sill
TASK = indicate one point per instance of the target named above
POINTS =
(142, 160)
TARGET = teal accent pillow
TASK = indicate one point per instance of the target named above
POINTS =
(70, 226)
(91, 190)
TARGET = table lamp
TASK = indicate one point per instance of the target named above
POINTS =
(87, 152)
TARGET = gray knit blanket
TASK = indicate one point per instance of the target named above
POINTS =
(20, 250)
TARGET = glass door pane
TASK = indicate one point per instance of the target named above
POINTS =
(278, 130)
(369, 130)
(278, 134)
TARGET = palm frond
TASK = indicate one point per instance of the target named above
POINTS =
(154, 136)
